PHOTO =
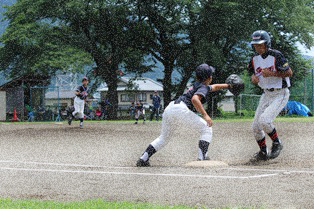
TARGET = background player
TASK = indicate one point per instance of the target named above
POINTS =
(271, 72)
(156, 106)
(139, 111)
(181, 112)
(79, 101)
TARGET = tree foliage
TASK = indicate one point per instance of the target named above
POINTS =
(45, 35)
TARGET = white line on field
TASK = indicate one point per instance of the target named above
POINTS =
(63, 164)
(268, 170)
(140, 174)
(128, 167)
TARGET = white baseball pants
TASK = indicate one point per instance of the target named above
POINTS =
(176, 115)
(269, 107)
(79, 107)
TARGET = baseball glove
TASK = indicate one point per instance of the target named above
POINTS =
(236, 85)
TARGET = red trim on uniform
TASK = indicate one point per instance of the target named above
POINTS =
(262, 142)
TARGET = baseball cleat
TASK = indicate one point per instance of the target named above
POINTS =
(260, 156)
(135, 123)
(142, 163)
(81, 126)
(275, 150)
(206, 158)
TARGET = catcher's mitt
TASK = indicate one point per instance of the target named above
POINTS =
(236, 85)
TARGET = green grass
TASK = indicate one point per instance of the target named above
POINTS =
(91, 204)
(223, 119)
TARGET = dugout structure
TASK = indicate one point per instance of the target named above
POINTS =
(45, 105)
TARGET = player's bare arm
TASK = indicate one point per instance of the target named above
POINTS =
(254, 79)
(217, 87)
(196, 100)
(281, 74)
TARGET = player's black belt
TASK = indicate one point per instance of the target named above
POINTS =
(177, 101)
(274, 89)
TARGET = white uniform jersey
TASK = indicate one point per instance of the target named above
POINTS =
(274, 61)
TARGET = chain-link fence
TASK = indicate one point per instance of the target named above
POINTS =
(248, 104)
(46, 105)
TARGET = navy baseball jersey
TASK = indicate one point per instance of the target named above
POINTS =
(274, 61)
(139, 107)
(197, 89)
(83, 90)
(156, 101)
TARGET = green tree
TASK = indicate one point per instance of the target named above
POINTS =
(93, 30)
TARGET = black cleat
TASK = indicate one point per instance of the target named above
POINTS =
(260, 156)
(70, 118)
(275, 150)
(206, 158)
(142, 163)
(135, 123)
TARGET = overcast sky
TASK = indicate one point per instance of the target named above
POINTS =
(306, 51)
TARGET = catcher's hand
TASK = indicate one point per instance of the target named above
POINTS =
(236, 85)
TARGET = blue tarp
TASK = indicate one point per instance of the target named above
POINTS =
(296, 108)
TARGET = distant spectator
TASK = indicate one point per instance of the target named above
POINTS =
(132, 110)
(156, 106)
(105, 108)
(30, 116)
(139, 111)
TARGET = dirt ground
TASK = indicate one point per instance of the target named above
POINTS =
(65, 163)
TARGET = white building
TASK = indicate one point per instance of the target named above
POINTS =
(129, 90)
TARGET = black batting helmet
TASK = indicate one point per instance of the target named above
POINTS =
(84, 79)
(261, 37)
(204, 71)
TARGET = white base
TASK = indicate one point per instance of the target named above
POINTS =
(206, 163)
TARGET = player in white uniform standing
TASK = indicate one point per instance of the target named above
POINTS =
(79, 102)
(181, 113)
(271, 72)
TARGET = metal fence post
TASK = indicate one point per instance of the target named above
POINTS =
(240, 110)
(59, 116)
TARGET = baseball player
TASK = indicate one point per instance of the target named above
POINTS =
(270, 71)
(182, 112)
(156, 106)
(79, 102)
(139, 111)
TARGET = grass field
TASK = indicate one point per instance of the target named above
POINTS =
(278, 119)
(92, 204)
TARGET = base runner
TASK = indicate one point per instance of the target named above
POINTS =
(181, 112)
(271, 72)
(79, 102)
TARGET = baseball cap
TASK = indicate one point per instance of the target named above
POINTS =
(204, 71)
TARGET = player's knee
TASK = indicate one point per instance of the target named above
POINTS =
(266, 124)
(206, 134)
(255, 126)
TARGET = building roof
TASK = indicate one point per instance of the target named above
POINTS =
(62, 95)
(140, 84)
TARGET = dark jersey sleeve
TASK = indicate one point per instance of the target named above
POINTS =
(202, 91)
(251, 69)
(79, 89)
(281, 62)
